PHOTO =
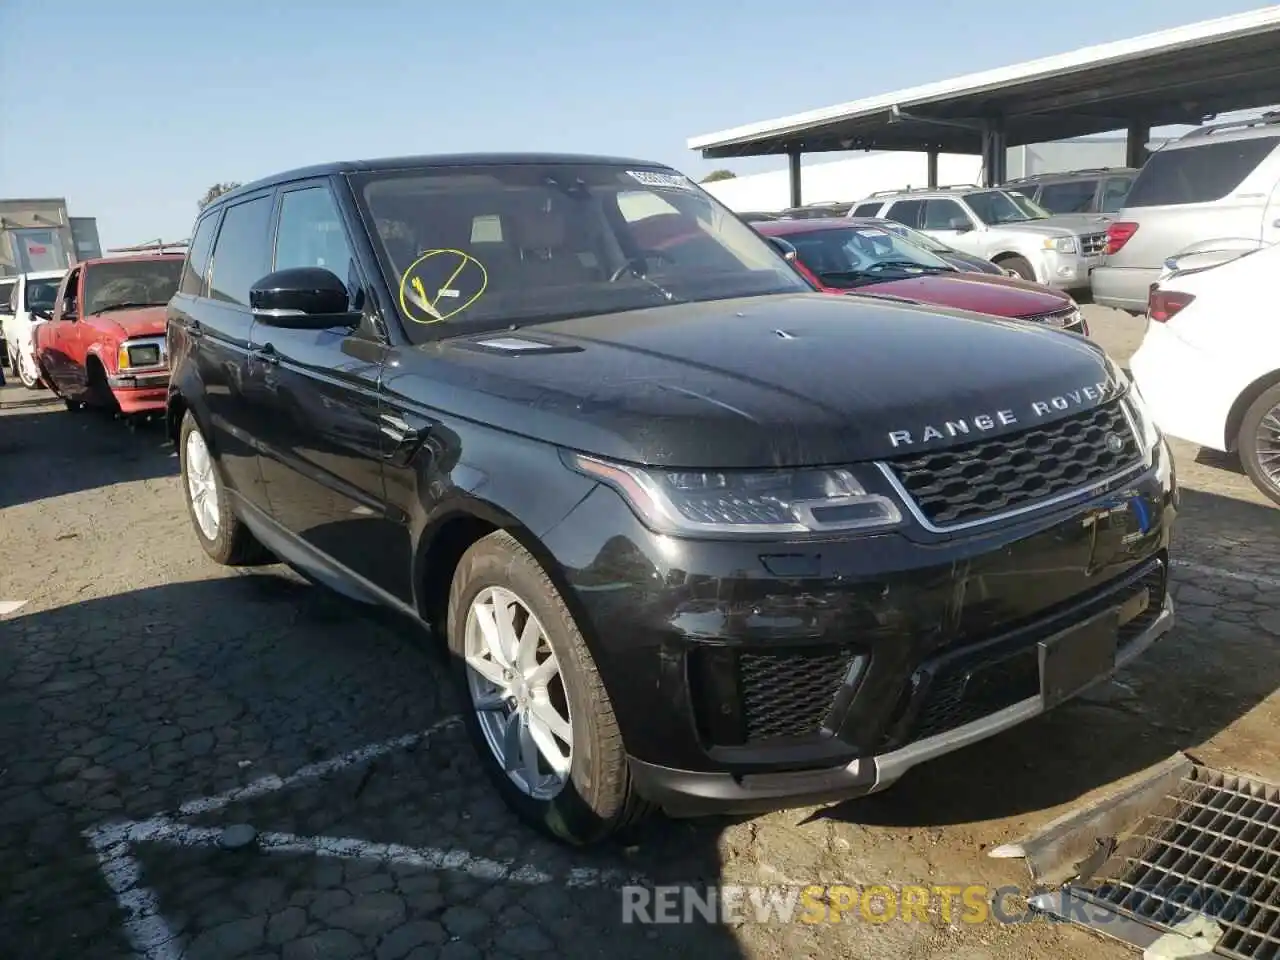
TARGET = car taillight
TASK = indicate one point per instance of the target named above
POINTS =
(1163, 305)
(1118, 235)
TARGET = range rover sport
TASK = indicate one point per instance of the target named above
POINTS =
(697, 536)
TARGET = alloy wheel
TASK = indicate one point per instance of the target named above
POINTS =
(518, 692)
(202, 485)
(26, 371)
(1267, 441)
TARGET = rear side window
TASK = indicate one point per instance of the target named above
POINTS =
(240, 255)
(1199, 174)
(6, 295)
(867, 209)
(906, 212)
(1072, 196)
(194, 272)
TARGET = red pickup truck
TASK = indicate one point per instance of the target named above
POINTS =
(103, 343)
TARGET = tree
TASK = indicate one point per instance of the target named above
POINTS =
(214, 192)
(715, 175)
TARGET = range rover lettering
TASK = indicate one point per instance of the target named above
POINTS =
(697, 537)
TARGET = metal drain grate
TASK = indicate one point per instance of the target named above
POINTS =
(1211, 846)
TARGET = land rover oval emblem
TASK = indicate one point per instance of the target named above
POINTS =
(1114, 442)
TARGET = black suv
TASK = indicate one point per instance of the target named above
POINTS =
(697, 536)
(1101, 190)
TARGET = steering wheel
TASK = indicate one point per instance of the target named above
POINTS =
(641, 262)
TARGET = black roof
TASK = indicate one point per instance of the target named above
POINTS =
(428, 160)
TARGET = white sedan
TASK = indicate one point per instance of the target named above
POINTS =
(33, 291)
(1209, 364)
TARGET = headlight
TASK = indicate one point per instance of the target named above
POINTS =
(1061, 244)
(138, 355)
(744, 503)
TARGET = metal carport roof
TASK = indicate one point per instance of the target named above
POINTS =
(1178, 76)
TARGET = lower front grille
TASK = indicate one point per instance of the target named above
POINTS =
(982, 479)
(972, 687)
(1210, 847)
(789, 694)
(1066, 319)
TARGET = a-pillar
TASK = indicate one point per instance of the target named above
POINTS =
(794, 157)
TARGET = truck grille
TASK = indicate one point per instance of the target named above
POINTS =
(789, 694)
(981, 480)
(1066, 319)
(1092, 244)
(977, 686)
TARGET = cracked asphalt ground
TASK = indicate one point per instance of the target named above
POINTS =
(138, 677)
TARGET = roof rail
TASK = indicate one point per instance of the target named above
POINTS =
(1264, 120)
(909, 189)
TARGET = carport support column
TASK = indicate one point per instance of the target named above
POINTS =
(995, 153)
(1135, 146)
(794, 157)
(932, 157)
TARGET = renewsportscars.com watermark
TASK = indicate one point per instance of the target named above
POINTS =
(839, 903)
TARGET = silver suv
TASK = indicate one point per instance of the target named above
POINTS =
(1217, 183)
(1005, 228)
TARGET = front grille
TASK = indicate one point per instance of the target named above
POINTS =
(974, 687)
(1092, 244)
(1211, 846)
(789, 694)
(980, 480)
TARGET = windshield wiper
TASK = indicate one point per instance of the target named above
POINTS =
(123, 305)
(908, 265)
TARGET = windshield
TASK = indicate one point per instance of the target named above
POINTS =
(854, 256)
(40, 294)
(130, 283)
(997, 206)
(911, 235)
(493, 245)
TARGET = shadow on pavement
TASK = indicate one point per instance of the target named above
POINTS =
(50, 452)
(1217, 664)
(125, 707)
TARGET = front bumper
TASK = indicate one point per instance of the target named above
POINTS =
(751, 676)
(1066, 271)
(141, 391)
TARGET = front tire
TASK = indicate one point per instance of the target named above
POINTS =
(27, 373)
(221, 533)
(1020, 266)
(536, 707)
(1259, 443)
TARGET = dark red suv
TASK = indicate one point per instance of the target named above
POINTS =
(840, 256)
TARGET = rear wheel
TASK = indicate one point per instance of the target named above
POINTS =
(221, 533)
(1020, 266)
(1259, 443)
(538, 712)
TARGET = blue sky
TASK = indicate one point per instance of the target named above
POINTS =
(131, 109)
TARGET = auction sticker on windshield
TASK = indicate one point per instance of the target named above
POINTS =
(652, 178)
(441, 284)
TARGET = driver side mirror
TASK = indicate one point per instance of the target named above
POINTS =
(959, 225)
(787, 251)
(302, 298)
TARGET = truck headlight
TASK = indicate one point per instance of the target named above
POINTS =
(744, 502)
(138, 355)
(1061, 244)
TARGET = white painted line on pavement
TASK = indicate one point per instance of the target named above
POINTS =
(1257, 579)
(271, 784)
(148, 931)
(9, 606)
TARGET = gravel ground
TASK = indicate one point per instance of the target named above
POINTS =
(138, 677)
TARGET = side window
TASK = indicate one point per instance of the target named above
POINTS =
(1114, 194)
(943, 214)
(1198, 174)
(310, 233)
(867, 209)
(194, 272)
(6, 296)
(70, 306)
(906, 212)
(1072, 196)
(240, 252)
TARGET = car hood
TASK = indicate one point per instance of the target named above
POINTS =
(1062, 225)
(138, 322)
(786, 380)
(969, 263)
(979, 292)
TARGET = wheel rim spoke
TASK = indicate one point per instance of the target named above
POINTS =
(1267, 445)
(517, 692)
